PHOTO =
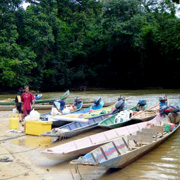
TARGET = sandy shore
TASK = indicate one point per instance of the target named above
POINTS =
(28, 163)
(25, 152)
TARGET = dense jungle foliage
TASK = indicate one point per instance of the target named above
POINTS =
(58, 44)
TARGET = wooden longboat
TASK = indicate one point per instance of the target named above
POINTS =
(110, 123)
(45, 106)
(146, 115)
(63, 97)
(74, 113)
(125, 150)
(61, 120)
(69, 106)
(74, 128)
(86, 144)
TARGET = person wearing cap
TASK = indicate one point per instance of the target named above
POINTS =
(163, 102)
(77, 103)
(18, 104)
(28, 101)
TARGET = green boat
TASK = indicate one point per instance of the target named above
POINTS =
(125, 119)
(63, 97)
(110, 123)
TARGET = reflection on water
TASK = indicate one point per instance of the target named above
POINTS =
(30, 141)
(161, 163)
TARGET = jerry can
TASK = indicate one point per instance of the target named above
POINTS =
(14, 121)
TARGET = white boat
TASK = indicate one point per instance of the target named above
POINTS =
(124, 150)
(67, 119)
(86, 144)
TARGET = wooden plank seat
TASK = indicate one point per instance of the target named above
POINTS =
(142, 138)
(160, 130)
(130, 144)
(146, 137)
(152, 131)
(134, 141)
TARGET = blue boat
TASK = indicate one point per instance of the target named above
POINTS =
(76, 109)
(95, 106)
(74, 128)
(38, 96)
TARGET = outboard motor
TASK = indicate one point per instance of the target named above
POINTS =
(120, 98)
(97, 101)
(169, 109)
(142, 102)
(119, 106)
(141, 105)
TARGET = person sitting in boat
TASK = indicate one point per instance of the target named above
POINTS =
(18, 104)
(78, 103)
(121, 105)
(59, 105)
(163, 102)
(141, 105)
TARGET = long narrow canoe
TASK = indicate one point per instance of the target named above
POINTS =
(86, 144)
(146, 115)
(125, 119)
(75, 128)
(123, 151)
(63, 97)
(71, 109)
(59, 120)
(111, 123)
(75, 113)
(47, 106)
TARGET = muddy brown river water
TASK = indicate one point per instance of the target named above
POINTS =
(161, 163)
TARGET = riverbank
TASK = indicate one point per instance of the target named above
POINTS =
(27, 161)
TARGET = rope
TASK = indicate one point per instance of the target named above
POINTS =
(21, 151)
(76, 171)
(7, 139)
(15, 176)
(71, 171)
(79, 172)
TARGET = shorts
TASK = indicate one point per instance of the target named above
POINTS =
(26, 112)
(19, 108)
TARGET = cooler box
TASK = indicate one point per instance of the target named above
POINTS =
(37, 127)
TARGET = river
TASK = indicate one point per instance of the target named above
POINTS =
(161, 163)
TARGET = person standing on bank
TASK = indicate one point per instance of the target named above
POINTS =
(18, 104)
(27, 99)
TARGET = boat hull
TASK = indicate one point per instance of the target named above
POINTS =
(86, 144)
(78, 128)
(125, 160)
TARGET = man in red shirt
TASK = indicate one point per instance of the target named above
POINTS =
(27, 98)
